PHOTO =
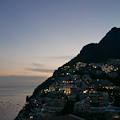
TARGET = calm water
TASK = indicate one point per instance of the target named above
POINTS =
(12, 99)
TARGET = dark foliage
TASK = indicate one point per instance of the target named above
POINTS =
(68, 108)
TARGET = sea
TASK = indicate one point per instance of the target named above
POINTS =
(12, 100)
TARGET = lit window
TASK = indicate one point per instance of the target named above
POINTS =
(116, 116)
(31, 117)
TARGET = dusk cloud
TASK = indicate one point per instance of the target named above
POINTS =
(41, 70)
(11, 77)
(38, 65)
(62, 57)
(21, 80)
(58, 57)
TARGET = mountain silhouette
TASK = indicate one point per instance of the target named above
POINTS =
(108, 47)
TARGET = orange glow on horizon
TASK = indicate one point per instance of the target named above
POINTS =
(10, 73)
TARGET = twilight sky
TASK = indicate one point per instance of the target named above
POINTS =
(38, 36)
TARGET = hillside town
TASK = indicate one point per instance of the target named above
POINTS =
(90, 91)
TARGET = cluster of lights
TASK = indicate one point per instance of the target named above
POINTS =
(67, 82)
